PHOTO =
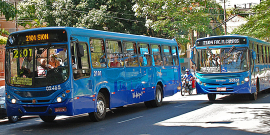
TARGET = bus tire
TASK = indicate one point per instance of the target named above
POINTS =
(13, 119)
(148, 104)
(254, 95)
(211, 97)
(101, 109)
(158, 97)
(47, 118)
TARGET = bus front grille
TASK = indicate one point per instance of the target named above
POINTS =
(26, 94)
(35, 109)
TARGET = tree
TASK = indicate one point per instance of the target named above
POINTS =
(258, 25)
(111, 15)
(7, 9)
(176, 18)
(3, 40)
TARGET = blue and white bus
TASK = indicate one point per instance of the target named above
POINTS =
(70, 71)
(231, 64)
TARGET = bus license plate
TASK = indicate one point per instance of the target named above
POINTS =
(221, 89)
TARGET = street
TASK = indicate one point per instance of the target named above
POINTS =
(187, 115)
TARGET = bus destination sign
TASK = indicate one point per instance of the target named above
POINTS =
(37, 37)
(221, 41)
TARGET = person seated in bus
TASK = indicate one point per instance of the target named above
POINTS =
(165, 61)
(53, 62)
(157, 60)
(41, 69)
(115, 63)
(149, 60)
(141, 61)
(74, 65)
(27, 66)
(63, 56)
(102, 61)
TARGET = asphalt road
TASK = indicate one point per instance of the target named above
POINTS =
(187, 115)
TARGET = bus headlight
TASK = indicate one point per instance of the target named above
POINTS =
(204, 84)
(13, 101)
(59, 99)
(62, 97)
(247, 79)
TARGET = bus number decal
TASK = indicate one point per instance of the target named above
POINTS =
(22, 53)
(56, 87)
(234, 80)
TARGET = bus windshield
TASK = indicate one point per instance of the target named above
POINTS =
(37, 66)
(216, 60)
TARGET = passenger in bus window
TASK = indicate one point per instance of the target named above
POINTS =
(102, 61)
(115, 63)
(63, 56)
(74, 65)
(141, 61)
(165, 61)
(53, 62)
(41, 69)
(149, 60)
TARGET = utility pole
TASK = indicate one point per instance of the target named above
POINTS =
(225, 25)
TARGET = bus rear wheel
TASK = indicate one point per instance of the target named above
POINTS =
(101, 109)
(158, 97)
(211, 97)
(47, 118)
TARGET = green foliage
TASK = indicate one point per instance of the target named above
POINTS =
(179, 18)
(7, 9)
(3, 40)
(3, 32)
(111, 15)
(258, 25)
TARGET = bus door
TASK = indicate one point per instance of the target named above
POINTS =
(82, 86)
(115, 74)
(147, 84)
(132, 72)
(168, 71)
(177, 70)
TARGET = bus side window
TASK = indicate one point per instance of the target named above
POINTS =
(114, 53)
(98, 55)
(167, 56)
(130, 54)
(175, 56)
(156, 54)
(80, 65)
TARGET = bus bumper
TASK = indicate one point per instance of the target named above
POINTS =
(238, 89)
(64, 108)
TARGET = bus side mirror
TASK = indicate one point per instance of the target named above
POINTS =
(253, 55)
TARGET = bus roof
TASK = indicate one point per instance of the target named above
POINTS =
(105, 34)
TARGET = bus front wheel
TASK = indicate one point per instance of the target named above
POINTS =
(13, 119)
(211, 97)
(253, 96)
(101, 109)
(47, 118)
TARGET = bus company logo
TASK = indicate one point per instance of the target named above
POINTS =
(34, 101)
(220, 80)
(97, 73)
(137, 95)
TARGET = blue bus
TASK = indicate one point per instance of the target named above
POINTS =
(70, 71)
(231, 64)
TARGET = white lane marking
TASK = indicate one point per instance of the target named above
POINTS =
(130, 119)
